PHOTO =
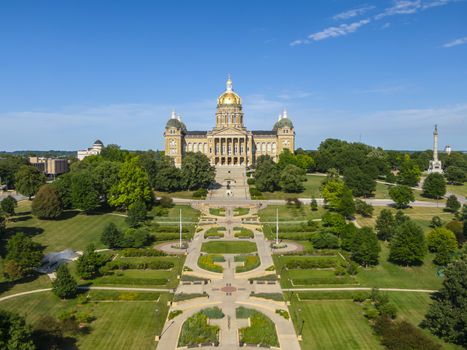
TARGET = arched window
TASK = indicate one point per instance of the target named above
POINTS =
(263, 148)
(269, 147)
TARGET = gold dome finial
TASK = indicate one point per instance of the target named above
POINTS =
(229, 83)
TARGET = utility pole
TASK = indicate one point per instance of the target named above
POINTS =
(180, 228)
(277, 226)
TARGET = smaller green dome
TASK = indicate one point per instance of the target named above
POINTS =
(284, 122)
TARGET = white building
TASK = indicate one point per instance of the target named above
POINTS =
(93, 151)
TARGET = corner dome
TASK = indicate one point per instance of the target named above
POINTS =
(175, 122)
(98, 142)
(229, 97)
(283, 122)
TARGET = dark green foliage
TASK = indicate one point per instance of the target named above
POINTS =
(455, 175)
(452, 204)
(346, 205)
(361, 183)
(88, 265)
(63, 187)
(112, 237)
(401, 195)
(9, 166)
(347, 236)
(196, 330)
(15, 334)
(385, 225)
(28, 179)
(409, 173)
(446, 316)
(408, 245)
(84, 196)
(120, 264)
(113, 153)
(267, 174)
(434, 186)
(168, 177)
(2, 224)
(47, 203)
(196, 171)
(335, 222)
(324, 239)
(201, 192)
(8, 205)
(137, 213)
(436, 221)
(291, 179)
(166, 202)
(213, 313)
(136, 238)
(314, 204)
(401, 335)
(363, 208)
(365, 247)
(64, 286)
(459, 229)
(310, 263)
(23, 254)
(134, 252)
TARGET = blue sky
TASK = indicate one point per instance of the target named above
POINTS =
(383, 72)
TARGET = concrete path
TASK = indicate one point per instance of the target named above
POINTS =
(357, 289)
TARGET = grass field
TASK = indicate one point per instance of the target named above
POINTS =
(118, 325)
(290, 213)
(461, 190)
(229, 247)
(312, 185)
(188, 214)
(332, 325)
(420, 215)
(75, 230)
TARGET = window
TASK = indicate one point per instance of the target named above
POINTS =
(269, 147)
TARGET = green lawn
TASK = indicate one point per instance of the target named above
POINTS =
(382, 192)
(461, 190)
(217, 211)
(290, 213)
(188, 214)
(241, 211)
(332, 325)
(229, 247)
(312, 185)
(75, 230)
(118, 325)
(177, 194)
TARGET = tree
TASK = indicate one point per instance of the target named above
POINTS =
(63, 187)
(2, 224)
(314, 204)
(23, 255)
(365, 247)
(291, 179)
(105, 175)
(8, 205)
(267, 174)
(332, 191)
(136, 238)
(361, 183)
(401, 195)
(438, 237)
(459, 230)
(113, 153)
(15, 334)
(47, 203)
(346, 205)
(167, 177)
(409, 173)
(84, 195)
(133, 185)
(455, 175)
(408, 245)
(363, 208)
(112, 237)
(196, 171)
(88, 264)
(434, 186)
(334, 221)
(385, 225)
(436, 221)
(323, 239)
(64, 286)
(137, 213)
(446, 315)
(452, 204)
(28, 180)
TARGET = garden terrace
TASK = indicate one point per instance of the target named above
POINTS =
(261, 332)
(208, 262)
(197, 331)
(215, 232)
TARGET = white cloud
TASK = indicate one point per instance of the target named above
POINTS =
(341, 30)
(456, 42)
(353, 13)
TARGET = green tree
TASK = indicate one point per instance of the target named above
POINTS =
(88, 264)
(401, 195)
(64, 286)
(332, 192)
(346, 205)
(314, 204)
(324, 240)
(8, 205)
(385, 225)
(438, 236)
(137, 213)
(408, 245)
(112, 237)
(305, 161)
(28, 180)
(365, 247)
(63, 187)
(291, 179)
(458, 228)
(105, 175)
(446, 315)
(47, 203)
(168, 177)
(436, 221)
(2, 225)
(363, 208)
(361, 183)
(434, 186)
(335, 222)
(24, 254)
(452, 204)
(196, 171)
(409, 173)
(114, 153)
(136, 238)
(133, 185)
(267, 174)
(9, 166)
(455, 175)
(15, 334)
(84, 196)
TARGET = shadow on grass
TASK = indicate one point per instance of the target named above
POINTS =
(7, 285)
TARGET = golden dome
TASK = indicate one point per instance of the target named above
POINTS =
(229, 97)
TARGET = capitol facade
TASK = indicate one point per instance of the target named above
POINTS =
(229, 143)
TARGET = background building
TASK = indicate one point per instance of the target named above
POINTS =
(50, 166)
(229, 142)
(93, 151)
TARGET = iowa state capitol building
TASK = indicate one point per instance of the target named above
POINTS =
(229, 142)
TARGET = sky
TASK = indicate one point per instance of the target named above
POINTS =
(380, 72)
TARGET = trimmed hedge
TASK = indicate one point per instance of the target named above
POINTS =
(142, 265)
(134, 252)
(334, 295)
(323, 280)
(310, 263)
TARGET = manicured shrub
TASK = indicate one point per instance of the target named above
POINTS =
(310, 263)
(324, 239)
(200, 193)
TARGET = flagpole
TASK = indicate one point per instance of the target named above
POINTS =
(180, 228)
(277, 226)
